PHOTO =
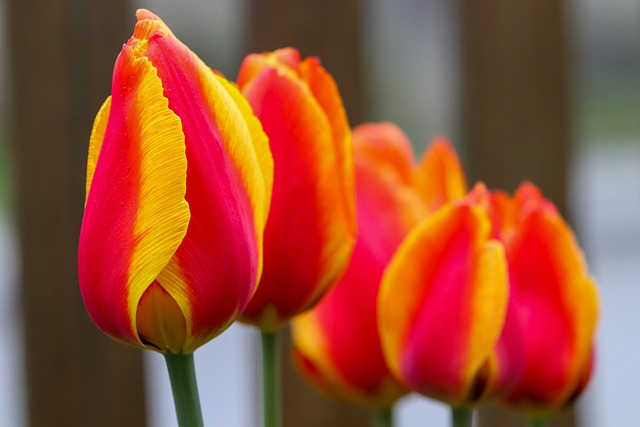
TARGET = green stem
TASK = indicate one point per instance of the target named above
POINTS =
(461, 416)
(538, 422)
(382, 418)
(182, 374)
(271, 415)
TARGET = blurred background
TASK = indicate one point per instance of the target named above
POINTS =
(547, 91)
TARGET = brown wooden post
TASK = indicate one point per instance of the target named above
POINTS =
(61, 55)
(516, 108)
(516, 113)
(329, 30)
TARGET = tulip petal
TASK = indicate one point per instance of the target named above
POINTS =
(358, 376)
(148, 24)
(385, 146)
(95, 141)
(387, 210)
(339, 343)
(440, 177)
(313, 353)
(160, 320)
(141, 170)
(442, 303)
(263, 156)
(326, 93)
(285, 60)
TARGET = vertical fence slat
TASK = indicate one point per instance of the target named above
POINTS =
(61, 56)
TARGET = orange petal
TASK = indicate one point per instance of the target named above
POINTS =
(440, 177)
(385, 146)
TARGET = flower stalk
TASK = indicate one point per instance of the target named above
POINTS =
(185, 389)
(538, 422)
(383, 418)
(271, 412)
(461, 416)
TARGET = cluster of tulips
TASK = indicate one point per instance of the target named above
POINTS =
(209, 201)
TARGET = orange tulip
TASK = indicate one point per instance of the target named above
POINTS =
(554, 296)
(311, 228)
(178, 189)
(336, 344)
(443, 307)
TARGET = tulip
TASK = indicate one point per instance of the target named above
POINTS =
(336, 344)
(444, 306)
(178, 187)
(555, 299)
(311, 228)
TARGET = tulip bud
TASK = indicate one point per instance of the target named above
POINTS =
(554, 297)
(443, 306)
(311, 228)
(179, 179)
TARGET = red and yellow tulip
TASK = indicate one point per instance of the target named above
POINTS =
(554, 297)
(443, 306)
(488, 297)
(311, 228)
(336, 344)
(179, 180)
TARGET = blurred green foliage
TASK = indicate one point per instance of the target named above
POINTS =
(608, 110)
(5, 173)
